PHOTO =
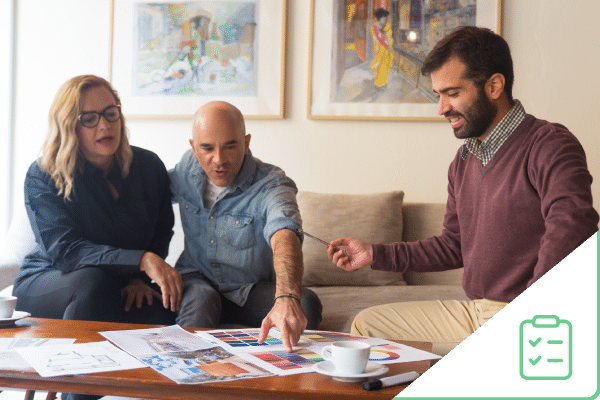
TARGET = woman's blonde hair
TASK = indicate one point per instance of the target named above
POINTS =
(61, 155)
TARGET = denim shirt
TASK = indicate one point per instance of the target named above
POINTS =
(94, 228)
(230, 244)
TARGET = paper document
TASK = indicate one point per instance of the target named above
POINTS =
(156, 340)
(246, 340)
(10, 359)
(82, 358)
(271, 354)
(184, 357)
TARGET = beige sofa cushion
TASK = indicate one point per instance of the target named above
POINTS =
(373, 218)
(342, 303)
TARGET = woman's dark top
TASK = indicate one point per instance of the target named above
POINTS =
(94, 229)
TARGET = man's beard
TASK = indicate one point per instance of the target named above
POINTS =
(478, 117)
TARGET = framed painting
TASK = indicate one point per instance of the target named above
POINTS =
(366, 55)
(169, 58)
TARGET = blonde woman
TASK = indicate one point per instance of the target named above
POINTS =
(101, 213)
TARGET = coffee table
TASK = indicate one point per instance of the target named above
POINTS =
(147, 383)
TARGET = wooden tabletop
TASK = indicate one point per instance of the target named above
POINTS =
(147, 383)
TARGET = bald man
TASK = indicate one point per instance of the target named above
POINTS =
(242, 260)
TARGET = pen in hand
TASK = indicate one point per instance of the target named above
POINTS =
(313, 237)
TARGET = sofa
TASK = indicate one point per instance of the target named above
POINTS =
(374, 218)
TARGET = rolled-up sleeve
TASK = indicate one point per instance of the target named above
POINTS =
(281, 208)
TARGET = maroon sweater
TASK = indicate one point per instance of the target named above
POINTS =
(511, 221)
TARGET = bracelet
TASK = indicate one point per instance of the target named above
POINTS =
(293, 296)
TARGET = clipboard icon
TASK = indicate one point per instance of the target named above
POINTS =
(546, 348)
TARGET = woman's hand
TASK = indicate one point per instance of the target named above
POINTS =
(166, 277)
(137, 291)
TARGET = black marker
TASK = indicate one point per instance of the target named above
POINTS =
(391, 381)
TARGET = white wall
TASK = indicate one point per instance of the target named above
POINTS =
(6, 39)
(554, 45)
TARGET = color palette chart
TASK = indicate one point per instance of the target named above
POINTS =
(385, 353)
(328, 337)
(244, 339)
(289, 361)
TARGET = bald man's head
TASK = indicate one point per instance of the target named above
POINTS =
(219, 112)
(220, 141)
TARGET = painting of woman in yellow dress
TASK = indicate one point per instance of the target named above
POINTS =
(382, 47)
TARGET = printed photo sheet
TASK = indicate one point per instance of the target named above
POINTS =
(156, 340)
(184, 357)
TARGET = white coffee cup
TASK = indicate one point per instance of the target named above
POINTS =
(348, 357)
(7, 306)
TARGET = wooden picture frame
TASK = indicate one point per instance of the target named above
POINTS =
(349, 81)
(167, 59)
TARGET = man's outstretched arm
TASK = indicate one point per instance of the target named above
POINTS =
(286, 314)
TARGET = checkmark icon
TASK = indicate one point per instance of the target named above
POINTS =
(535, 342)
(533, 362)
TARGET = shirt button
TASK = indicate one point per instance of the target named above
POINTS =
(237, 222)
(187, 207)
(212, 241)
(211, 217)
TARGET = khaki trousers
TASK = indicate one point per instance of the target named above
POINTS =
(445, 323)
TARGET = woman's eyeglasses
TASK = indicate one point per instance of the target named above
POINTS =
(90, 119)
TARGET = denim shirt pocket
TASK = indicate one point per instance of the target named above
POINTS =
(237, 230)
(191, 218)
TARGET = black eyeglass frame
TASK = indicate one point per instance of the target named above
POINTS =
(100, 115)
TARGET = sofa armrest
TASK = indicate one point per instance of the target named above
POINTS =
(178, 239)
(19, 242)
(8, 273)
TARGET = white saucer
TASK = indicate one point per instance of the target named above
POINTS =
(373, 369)
(17, 315)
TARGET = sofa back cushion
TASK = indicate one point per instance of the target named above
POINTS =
(373, 218)
(423, 220)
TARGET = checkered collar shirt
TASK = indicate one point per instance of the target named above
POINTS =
(485, 150)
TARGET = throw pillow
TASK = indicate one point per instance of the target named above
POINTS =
(373, 218)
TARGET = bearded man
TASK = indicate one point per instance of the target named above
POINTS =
(519, 200)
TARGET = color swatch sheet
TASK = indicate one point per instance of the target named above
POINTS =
(272, 356)
(245, 340)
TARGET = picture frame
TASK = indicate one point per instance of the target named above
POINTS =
(355, 74)
(167, 59)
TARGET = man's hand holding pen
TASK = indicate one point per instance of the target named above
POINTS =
(350, 254)
(347, 253)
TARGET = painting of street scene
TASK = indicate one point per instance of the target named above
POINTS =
(197, 48)
(380, 46)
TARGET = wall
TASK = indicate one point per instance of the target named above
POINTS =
(554, 47)
(6, 40)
